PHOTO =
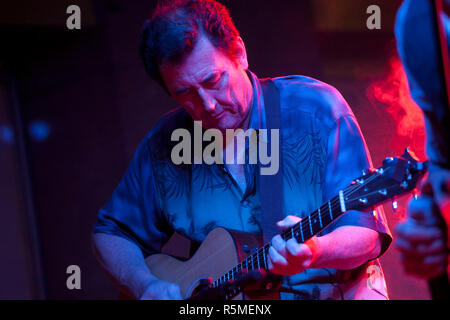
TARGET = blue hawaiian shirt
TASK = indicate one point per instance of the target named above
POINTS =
(323, 150)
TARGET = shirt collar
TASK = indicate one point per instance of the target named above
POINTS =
(257, 112)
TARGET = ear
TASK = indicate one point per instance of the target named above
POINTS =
(241, 53)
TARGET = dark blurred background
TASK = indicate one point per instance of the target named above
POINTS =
(74, 105)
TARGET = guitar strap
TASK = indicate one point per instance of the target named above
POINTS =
(270, 186)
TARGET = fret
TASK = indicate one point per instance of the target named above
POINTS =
(342, 201)
(265, 261)
(310, 226)
(305, 229)
(320, 218)
(329, 210)
(301, 230)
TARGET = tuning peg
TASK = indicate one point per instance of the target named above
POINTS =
(375, 213)
(415, 194)
(394, 205)
(388, 161)
(363, 200)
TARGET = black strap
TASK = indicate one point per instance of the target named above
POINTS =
(270, 186)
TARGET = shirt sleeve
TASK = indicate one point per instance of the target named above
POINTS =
(346, 159)
(133, 212)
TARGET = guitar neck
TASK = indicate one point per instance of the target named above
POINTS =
(302, 231)
(397, 176)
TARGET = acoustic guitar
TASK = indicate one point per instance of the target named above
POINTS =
(231, 264)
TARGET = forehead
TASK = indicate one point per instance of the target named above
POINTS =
(201, 62)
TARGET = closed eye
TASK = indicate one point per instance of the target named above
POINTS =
(181, 92)
(212, 80)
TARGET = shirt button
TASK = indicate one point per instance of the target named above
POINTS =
(245, 203)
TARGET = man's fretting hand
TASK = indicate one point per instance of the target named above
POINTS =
(290, 257)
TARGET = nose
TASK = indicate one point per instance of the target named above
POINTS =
(207, 101)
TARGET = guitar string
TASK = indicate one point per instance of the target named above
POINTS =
(350, 190)
(262, 251)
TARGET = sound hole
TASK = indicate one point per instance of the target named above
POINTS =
(195, 291)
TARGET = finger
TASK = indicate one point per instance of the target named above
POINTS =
(277, 260)
(435, 260)
(406, 247)
(415, 233)
(430, 261)
(298, 254)
(431, 267)
(173, 292)
(423, 211)
(438, 246)
(279, 244)
(288, 222)
(421, 249)
(269, 263)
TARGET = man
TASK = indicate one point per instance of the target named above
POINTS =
(422, 236)
(194, 51)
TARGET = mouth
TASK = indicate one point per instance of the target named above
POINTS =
(218, 116)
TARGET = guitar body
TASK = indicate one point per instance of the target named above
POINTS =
(224, 252)
(219, 253)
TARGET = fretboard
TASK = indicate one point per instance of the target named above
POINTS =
(302, 231)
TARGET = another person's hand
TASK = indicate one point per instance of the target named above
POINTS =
(290, 257)
(161, 290)
(421, 238)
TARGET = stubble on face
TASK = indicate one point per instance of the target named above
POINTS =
(211, 87)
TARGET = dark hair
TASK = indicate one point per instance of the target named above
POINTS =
(176, 25)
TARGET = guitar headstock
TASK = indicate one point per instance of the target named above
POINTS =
(397, 176)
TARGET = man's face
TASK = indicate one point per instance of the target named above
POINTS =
(211, 86)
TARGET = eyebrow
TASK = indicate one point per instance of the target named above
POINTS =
(205, 80)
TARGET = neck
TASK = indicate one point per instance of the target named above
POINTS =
(245, 122)
(250, 96)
